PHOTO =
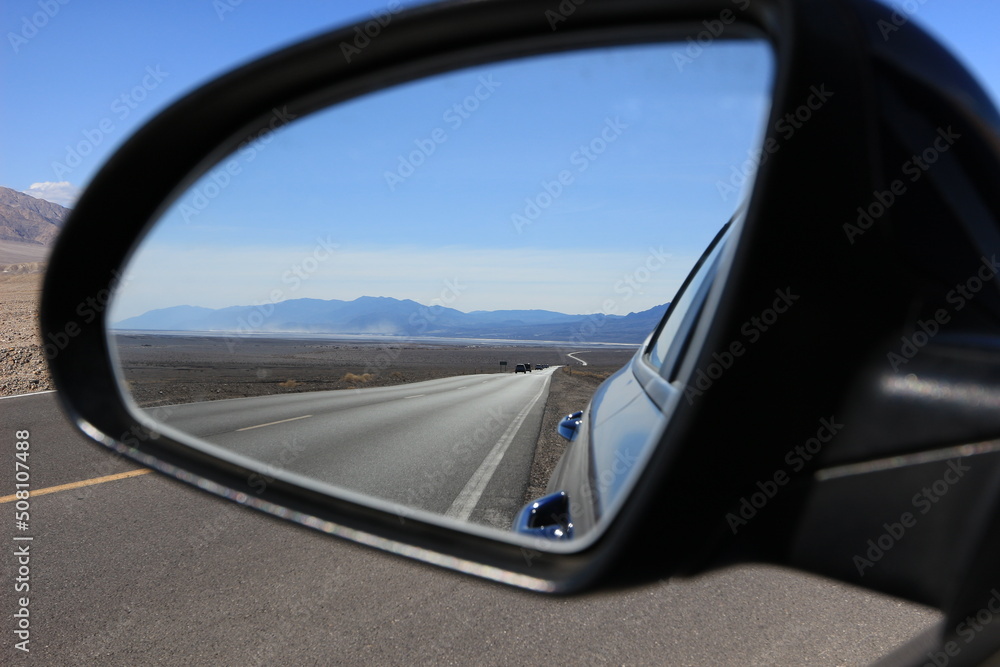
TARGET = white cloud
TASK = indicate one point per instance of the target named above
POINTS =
(63, 193)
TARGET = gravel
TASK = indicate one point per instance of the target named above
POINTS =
(571, 390)
(23, 368)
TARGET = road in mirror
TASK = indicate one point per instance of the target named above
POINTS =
(399, 296)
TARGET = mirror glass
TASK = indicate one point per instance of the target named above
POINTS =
(398, 297)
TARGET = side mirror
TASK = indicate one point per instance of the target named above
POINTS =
(547, 517)
(810, 376)
(570, 425)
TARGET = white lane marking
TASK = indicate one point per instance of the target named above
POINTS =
(414, 396)
(473, 491)
(34, 393)
(280, 421)
(572, 354)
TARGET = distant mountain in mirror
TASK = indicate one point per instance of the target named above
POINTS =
(388, 316)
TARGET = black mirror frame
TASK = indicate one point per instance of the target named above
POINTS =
(793, 224)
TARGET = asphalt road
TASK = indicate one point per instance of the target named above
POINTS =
(143, 570)
(460, 446)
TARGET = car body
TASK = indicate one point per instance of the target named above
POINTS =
(609, 441)
(520, 368)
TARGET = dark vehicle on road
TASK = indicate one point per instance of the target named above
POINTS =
(520, 369)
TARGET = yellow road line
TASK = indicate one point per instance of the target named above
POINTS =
(77, 485)
(280, 421)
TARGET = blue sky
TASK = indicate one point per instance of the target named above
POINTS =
(536, 191)
(316, 211)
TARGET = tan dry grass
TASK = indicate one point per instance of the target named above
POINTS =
(352, 378)
(601, 375)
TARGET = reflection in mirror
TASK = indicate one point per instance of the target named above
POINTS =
(403, 295)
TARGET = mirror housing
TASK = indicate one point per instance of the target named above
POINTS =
(851, 110)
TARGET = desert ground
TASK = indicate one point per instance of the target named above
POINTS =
(14, 253)
(166, 369)
(22, 365)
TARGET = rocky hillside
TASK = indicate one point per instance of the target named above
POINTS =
(28, 220)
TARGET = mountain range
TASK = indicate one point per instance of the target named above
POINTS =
(25, 219)
(389, 316)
